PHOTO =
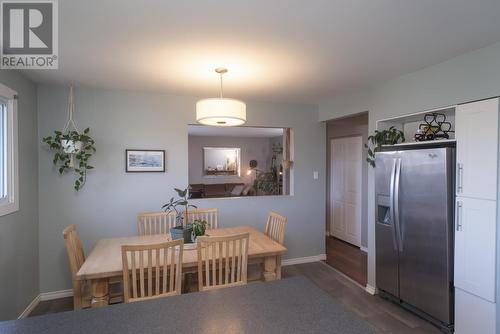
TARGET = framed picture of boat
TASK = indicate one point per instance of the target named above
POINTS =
(138, 161)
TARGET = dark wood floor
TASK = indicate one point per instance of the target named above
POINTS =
(382, 315)
(347, 259)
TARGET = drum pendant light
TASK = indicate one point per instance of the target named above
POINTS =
(221, 111)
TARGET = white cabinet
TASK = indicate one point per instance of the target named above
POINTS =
(475, 239)
(473, 315)
(476, 126)
(476, 132)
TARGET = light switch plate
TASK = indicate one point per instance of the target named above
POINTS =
(315, 175)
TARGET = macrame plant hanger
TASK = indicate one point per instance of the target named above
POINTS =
(70, 123)
(71, 147)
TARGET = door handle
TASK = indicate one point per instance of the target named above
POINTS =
(391, 208)
(460, 178)
(399, 232)
(459, 216)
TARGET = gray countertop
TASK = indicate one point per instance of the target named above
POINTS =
(291, 305)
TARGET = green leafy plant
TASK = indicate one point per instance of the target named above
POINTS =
(267, 182)
(180, 206)
(76, 157)
(390, 136)
(199, 227)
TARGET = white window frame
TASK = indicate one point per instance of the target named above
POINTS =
(11, 203)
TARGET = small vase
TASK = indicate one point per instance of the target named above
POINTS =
(180, 232)
(177, 232)
(187, 235)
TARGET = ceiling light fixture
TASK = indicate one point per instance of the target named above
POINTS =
(221, 111)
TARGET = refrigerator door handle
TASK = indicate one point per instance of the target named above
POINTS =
(391, 208)
(399, 232)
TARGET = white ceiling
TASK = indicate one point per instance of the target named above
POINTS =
(234, 131)
(285, 50)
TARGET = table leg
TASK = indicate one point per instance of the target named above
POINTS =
(270, 268)
(278, 267)
(100, 294)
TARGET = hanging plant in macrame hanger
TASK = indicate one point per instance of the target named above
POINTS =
(72, 149)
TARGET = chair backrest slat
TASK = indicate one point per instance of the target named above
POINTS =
(159, 274)
(157, 268)
(222, 261)
(211, 216)
(276, 226)
(149, 223)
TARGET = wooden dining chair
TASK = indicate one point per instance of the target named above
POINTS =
(149, 223)
(222, 261)
(152, 271)
(76, 257)
(276, 226)
(81, 289)
(275, 229)
(211, 216)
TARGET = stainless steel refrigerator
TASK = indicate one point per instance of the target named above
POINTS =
(414, 229)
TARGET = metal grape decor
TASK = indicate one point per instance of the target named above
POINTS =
(435, 127)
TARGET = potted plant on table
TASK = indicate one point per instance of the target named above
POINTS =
(199, 226)
(180, 206)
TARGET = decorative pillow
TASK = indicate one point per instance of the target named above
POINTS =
(246, 190)
(237, 190)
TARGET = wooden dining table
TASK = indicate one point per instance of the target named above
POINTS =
(105, 260)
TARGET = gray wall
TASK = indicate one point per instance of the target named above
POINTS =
(251, 148)
(108, 203)
(472, 76)
(348, 127)
(19, 230)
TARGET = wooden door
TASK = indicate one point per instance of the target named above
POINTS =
(476, 126)
(345, 188)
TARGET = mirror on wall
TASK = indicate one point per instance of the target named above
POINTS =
(239, 161)
(221, 161)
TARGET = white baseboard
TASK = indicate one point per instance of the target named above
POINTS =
(30, 307)
(56, 294)
(371, 289)
(364, 249)
(43, 297)
(307, 259)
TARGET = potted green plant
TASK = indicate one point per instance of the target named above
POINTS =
(267, 183)
(180, 206)
(390, 136)
(72, 151)
(199, 226)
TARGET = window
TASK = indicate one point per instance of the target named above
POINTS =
(9, 183)
(3, 150)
